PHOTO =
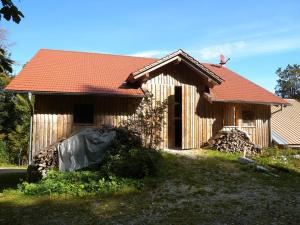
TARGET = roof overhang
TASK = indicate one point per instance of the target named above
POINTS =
(176, 57)
(113, 94)
(212, 99)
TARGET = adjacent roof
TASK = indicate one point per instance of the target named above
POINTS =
(278, 139)
(286, 122)
(67, 72)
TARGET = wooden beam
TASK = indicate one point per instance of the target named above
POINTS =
(178, 61)
(208, 97)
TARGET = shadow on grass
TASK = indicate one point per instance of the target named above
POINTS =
(218, 177)
(47, 211)
(10, 178)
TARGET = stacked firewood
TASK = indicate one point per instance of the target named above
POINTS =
(46, 159)
(234, 140)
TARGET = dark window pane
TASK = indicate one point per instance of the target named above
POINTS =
(178, 133)
(178, 101)
(83, 113)
(248, 118)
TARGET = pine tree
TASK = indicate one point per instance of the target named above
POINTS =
(15, 111)
(288, 84)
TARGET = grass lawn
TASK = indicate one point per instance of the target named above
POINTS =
(204, 187)
(8, 165)
(10, 175)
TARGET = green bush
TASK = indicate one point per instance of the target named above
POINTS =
(83, 183)
(128, 158)
(134, 163)
(125, 160)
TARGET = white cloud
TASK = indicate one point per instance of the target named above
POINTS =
(245, 48)
(151, 53)
(227, 49)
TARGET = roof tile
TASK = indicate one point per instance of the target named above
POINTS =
(59, 71)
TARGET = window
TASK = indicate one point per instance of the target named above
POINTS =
(83, 113)
(248, 118)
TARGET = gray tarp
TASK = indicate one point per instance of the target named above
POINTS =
(84, 148)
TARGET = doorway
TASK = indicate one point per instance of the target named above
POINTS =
(178, 116)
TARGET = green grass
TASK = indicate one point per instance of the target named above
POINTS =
(280, 159)
(8, 165)
(10, 180)
(211, 188)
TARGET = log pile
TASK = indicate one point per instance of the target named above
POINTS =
(46, 159)
(234, 140)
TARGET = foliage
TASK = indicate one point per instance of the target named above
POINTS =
(5, 62)
(134, 163)
(288, 84)
(15, 111)
(280, 159)
(83, 183)
(10, 11)
(148, 121)
(3, 152)
(128, 158)
(18, 135)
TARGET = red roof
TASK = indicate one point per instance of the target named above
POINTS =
(55, 71)
(59, 71)
(236, 88)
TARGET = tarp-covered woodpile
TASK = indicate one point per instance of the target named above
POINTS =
(84, 149)
(234, 140)
(80, 150)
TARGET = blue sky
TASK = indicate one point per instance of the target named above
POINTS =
(258, 36)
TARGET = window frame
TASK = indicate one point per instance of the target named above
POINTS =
(250, 121)
(84, 106)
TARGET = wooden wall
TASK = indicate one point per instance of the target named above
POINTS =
(201, 120)
(162, 84)
(260, 131)
(53, 119)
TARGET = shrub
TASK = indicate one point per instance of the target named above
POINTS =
(127, 157)
(148, 120)
(83, 183)
(134, 163)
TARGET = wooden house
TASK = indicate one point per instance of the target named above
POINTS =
(75, 89)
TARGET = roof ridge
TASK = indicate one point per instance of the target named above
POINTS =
(95, 53)
(186, 56)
